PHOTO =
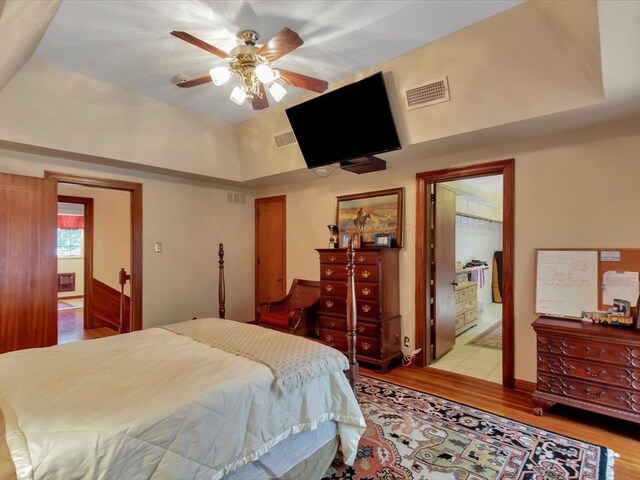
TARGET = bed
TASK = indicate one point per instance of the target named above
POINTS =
(206, 398)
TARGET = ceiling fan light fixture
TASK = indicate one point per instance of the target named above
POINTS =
(238, 95)
(264, 73)
(277, 91)
(251, 64)
(220, 75)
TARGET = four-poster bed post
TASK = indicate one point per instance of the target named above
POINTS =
(352, 374)
(221, 291)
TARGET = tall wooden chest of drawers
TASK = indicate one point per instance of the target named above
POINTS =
(466, 306)
(590, 366)
(377, 287)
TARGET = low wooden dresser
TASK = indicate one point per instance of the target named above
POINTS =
(377, 287)
(590, 366)
(466, 306)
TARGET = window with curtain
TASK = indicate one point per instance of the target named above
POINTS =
(70, 236)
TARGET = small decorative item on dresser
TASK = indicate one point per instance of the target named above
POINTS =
(382, 240)
(335, 233)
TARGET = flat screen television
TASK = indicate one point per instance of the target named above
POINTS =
(350, 122)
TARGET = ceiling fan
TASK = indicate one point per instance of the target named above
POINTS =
(253, 65)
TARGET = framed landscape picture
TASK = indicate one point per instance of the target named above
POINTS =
(372, 213)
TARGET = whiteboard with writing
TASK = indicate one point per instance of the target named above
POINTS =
(566, 282)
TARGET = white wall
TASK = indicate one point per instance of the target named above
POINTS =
(190, 219)
(478, 240)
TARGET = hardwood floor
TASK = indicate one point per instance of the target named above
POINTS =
(620, 436)
(71, 327)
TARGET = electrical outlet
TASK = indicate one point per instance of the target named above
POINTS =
(407, 342)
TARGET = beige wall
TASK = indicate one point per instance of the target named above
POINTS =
(190, 219)
(535, 59)
(111, 231)
(571, 191)
(50, 107)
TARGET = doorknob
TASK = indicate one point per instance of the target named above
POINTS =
(455, 284)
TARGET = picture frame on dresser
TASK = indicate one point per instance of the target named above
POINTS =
(344, 239)
(382, 240)
(371, 213)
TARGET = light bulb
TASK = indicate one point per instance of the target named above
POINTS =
(264, 73)
(219, 75)
(238, 95)
(277, 91)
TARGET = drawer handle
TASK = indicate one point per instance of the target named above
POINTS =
(332, 323)
(328, 272)
(332, 259)
(366, 308)
(328, 288)
(328, 338)
(329, 303)
(623, 376)
(366, 346)
(624, 401)
(592, 352)
(366, 274)
(360, 328)
(600, 394)
(361, 259)
(591, 373)
(366, 291)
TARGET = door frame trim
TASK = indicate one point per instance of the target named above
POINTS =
(135, 190)
(424, 180)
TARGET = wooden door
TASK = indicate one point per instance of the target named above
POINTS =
(270, 240)
(28, 315)
(443, 331)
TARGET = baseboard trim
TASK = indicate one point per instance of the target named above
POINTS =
(524, 386)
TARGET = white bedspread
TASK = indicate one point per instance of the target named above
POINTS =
(154, 404)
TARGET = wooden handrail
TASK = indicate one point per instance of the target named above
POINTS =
(122, 279)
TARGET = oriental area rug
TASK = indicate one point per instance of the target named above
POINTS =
(490, 338)
(414, 435)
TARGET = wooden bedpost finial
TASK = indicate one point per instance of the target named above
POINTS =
(221, 292)
(351, 316)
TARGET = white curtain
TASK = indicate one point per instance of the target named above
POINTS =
(22, 25)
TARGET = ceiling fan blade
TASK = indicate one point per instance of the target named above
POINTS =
(285, 41)
(194, 82)
(302, 81)
(261, 102)
(199, 43)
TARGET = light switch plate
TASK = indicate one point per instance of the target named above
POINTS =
(158, 247)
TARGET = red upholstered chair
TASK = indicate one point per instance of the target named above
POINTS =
(295, 313)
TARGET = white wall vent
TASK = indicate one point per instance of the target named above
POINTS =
(430, 93)
(235, 197)
(285, 139)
